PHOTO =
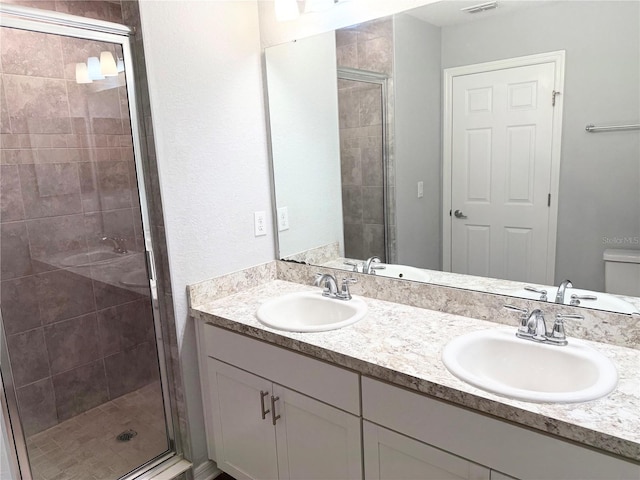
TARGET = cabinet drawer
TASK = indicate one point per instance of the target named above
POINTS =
(486, 440)
(314, 378)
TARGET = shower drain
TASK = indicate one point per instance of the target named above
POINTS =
(126, 435)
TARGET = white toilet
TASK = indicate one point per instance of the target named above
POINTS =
(622, 272)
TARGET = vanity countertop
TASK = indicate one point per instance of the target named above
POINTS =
(402, 345)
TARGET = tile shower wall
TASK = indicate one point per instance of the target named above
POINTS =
(366, 47)
(67, 175)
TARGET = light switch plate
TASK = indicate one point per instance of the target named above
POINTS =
(420, 189)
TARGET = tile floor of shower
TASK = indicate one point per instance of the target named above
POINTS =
(85, 447)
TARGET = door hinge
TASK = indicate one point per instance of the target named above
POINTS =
(553, 97)
(549, 200)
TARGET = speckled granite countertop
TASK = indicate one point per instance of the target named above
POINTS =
(484, 284)
(402, 345)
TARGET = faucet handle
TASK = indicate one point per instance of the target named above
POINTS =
(575, 316)
(524, 317)
(542, 292)
(557, 336)
(522, 311)
(575, 299)
(346, 294)
(352, 264)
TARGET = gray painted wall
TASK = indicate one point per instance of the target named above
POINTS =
(418, 138)
(600, 173)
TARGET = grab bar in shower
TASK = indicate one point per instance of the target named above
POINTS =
(593, 128)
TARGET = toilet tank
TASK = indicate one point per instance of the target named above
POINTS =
(622, 272)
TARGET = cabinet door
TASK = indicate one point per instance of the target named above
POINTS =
(315, 440)
(244, 442)
(495, 475)
(390, 455)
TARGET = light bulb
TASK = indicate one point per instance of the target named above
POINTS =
(108, 66)
(93, 65)
(82, 73)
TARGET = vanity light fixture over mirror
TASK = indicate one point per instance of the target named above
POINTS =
(453, 146)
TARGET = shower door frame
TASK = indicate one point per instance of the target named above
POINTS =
(55, 23)
(366, 76)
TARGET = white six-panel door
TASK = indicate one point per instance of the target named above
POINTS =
(502, 168)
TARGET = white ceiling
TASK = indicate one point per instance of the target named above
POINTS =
(447, 12)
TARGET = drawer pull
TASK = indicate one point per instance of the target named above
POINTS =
(274, 417)
(263, 412)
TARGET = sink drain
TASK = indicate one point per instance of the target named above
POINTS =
(126, 435)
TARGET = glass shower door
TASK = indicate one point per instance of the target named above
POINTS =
(75, 295)
(364, 167)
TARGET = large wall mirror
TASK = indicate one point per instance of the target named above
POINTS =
(454, 147)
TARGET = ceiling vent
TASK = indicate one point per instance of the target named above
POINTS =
(480, 7)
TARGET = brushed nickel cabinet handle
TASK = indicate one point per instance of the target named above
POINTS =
(263, 412)
(274, 417)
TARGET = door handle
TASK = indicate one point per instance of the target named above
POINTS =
(459, 214)
(263, 412)
(274, 417)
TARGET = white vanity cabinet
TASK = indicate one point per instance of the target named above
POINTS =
(263, 430)
(330, 421)
(244, 438)
(390, 455)
(431, 428)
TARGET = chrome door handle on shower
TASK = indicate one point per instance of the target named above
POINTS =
(459, 214)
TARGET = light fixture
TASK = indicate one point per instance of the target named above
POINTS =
(108, 66)
(318, 5)
(120, 65)
(481, 7)
(93, 65)
(82, 73)
(286, 10)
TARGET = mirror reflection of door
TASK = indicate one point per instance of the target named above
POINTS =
(502, 134)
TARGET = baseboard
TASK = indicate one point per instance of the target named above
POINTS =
(206, 471)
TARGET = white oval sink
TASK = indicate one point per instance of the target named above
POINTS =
(501, 363)
(310, 312)
(404, 272)
(605, 301)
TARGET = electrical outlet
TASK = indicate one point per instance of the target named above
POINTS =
(420, 189)
(283, 219)
(260, 223)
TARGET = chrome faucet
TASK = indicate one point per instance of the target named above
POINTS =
(533, 326)
(562, 289)
(370, 267)
(331, 286)
(119, 243)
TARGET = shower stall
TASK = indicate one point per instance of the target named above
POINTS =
(364, 57)
(367, 197)
(85, 379)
